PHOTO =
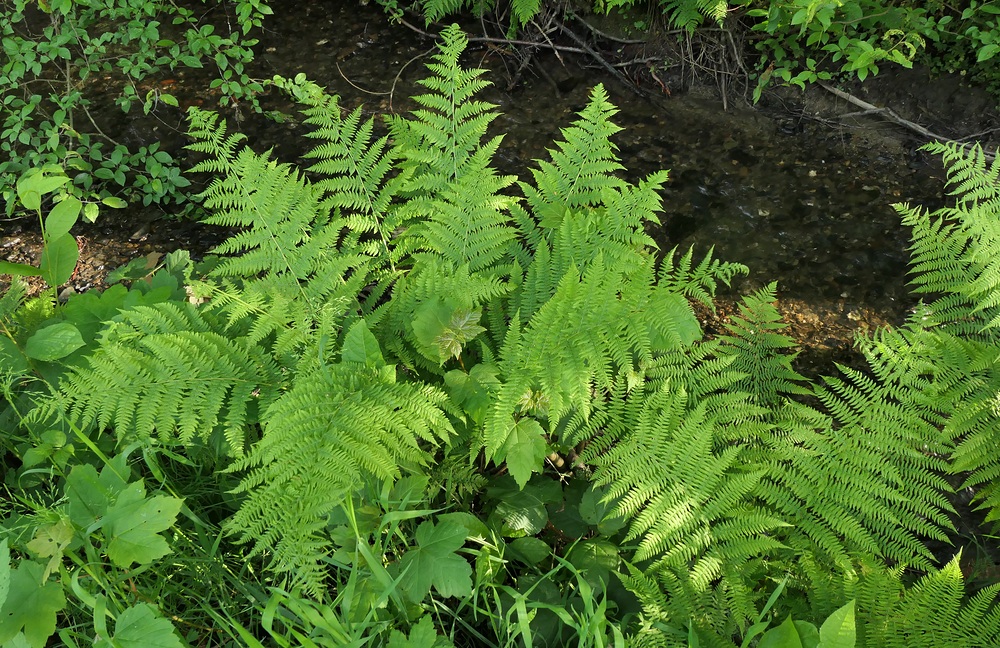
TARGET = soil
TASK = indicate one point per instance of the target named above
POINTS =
(790, 188)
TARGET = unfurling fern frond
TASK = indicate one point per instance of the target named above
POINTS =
(161, 370)
(335, 428)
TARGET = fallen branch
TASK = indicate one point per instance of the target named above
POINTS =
(906, 123)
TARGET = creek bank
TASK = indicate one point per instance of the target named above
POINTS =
(775, 188)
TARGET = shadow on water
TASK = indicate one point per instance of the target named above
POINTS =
(795, 201)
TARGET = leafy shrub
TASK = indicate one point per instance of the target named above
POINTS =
(55, 54)
(405, 404)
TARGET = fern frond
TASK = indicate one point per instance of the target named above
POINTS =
(335, 428)
(161, 370)
(438, 144)
(356, 169)
(971, 176)
(582, 166)
(759, 350)
(699, 282)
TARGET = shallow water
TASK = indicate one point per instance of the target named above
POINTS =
(797, 202)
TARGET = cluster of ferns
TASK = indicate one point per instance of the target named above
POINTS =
(401, 308)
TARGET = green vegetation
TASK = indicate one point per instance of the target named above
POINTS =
(60, 56)
(803, 41)
(414, 402)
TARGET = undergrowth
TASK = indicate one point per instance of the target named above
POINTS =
(415, 402)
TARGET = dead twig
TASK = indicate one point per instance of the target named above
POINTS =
(888, 112)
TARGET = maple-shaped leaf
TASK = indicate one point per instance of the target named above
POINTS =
(422, 635)
(433, 562)
(142, 626)
(50, 542)
(133, 524)
(32, 605)
(462, 327)
(524, 450)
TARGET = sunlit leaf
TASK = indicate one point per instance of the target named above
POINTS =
(434, 563)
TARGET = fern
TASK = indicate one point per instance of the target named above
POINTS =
(355, 170)
(335, 428)
(161, 370)
(582, 166)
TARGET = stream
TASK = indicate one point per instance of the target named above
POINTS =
(798, 202)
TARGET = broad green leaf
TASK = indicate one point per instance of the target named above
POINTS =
(530, 550)
(524, 512)
(114, 202)
(32, 605)
(4, 571)
(12, 360)
(90, 212)
(434, 563)
(838, 631)
(53, 342)
(361, 346)
(596, 558)
(808, 633)
(50, 542)
(62, 218)
(133, 524)
(474, 391)
(59, 259)
(31, 187)
(524, 450)
(19, 269)
(422, 635)
(429, 323)
(784, 636)
(142, 626)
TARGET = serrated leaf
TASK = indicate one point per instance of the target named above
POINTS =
(463, 327)
(53, 342)
(32, 605)
(142, 626)
(133, 524)
(434, 563)
(50, 542)
(422, 635)
(524, 512)
(524, 450)
(839, 631)
(361, 346)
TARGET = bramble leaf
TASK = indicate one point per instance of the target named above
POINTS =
(433, 562)
(31, 605)
(133, 524)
